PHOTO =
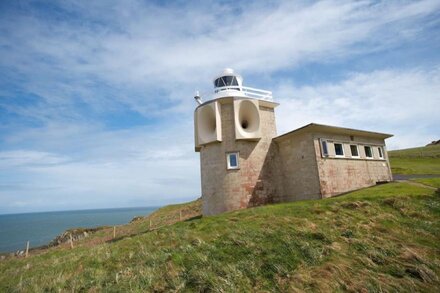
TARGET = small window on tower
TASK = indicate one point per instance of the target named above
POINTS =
(232, 161)
(219, 82)
(227, 80)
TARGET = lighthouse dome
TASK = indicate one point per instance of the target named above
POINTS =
(227, 78)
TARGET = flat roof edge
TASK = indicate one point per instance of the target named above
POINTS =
(334, 129)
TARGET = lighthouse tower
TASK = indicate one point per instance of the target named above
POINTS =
(233, 133)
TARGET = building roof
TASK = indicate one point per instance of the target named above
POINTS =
(333, 129)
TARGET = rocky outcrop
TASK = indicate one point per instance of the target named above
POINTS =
(434, 142)
(77, 234)
(137, 218)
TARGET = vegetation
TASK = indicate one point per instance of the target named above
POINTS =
(423, 160)
(434, 182)
(432, 151)
(384, 238)
(164, 216)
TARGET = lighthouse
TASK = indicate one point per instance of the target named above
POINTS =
(233, 134)
(244, 163)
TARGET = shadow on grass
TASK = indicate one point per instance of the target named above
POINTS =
(193, 218)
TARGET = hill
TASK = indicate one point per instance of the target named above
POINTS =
(383, 238)
(380, 238)
(416, 161)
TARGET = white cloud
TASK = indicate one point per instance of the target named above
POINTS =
(62, 73)
(138, 45)
(141, 166)
(404, 103)
(19, 158)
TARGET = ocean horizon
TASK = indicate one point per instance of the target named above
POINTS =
(39, 228)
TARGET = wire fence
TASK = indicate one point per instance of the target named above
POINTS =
(146, 224)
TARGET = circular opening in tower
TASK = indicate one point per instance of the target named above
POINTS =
(248, 116)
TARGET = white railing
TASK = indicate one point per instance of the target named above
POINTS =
(248, 92)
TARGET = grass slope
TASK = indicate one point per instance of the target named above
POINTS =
(383, 238)
(433, 182)
(422, 160)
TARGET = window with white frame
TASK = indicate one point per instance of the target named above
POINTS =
(324, 148)
(232, 161)
(368, 152)
(339, 149)
(354, 151)
(380, 150)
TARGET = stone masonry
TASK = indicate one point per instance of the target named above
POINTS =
(289, 167)
(253, 183)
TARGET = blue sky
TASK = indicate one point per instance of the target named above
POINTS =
(96, 97)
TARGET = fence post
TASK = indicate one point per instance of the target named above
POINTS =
(27, 249)
(71, 241)
(114, 232)
(180, 215)
(150, 224)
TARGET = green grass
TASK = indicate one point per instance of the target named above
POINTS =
(423, 160)
(383, 238)
(408, 166)
(434, 182)
(380, 239)
(420, 152)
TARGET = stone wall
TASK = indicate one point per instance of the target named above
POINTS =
(285, 168)
(256, 181)
(299, 171)
(339, 175)
(306, 174)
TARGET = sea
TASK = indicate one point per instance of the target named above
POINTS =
(40, 228)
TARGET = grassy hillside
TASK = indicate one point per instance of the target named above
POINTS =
(383, 238)
(432, 151)
(164, 216)
(434, 182)
(423, 160)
